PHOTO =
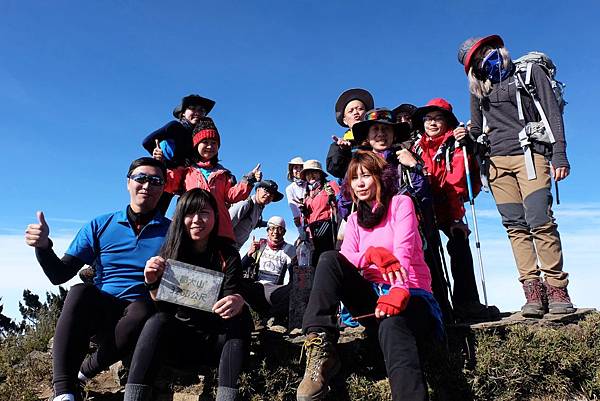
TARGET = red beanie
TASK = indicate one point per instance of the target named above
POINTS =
(205, 129)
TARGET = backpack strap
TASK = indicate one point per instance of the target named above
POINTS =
(529, 87)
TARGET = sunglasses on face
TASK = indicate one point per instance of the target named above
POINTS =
(142, 178)
(199, 109)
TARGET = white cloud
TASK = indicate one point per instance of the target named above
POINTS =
(19, 265)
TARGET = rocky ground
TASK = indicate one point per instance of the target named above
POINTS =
(274, 369)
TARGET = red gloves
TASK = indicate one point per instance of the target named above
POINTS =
(394, 302)
(383, 259)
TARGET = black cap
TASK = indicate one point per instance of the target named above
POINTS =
(272, 187)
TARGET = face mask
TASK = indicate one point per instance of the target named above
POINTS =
(492, 66)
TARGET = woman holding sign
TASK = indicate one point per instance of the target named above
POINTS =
(183, 335)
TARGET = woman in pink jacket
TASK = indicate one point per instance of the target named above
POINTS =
(380, 272)
(208, 174)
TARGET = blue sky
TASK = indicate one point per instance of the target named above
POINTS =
(84, 82)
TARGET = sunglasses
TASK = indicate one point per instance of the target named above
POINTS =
(142, 178)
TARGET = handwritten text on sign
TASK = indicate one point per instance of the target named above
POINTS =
(189, 285)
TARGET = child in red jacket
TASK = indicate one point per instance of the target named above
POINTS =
(208, 174)
(444, 164)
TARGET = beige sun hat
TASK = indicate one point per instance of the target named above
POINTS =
(312, 165)
(296, 161)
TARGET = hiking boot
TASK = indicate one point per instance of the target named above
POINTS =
(322, 364)
(475, 311)
(535, 295)
(559, 302)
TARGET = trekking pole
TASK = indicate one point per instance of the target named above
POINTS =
(555, 186)
(477, 243)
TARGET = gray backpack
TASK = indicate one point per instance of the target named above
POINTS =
(538, 131)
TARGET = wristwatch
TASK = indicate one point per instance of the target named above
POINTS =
(152, 286)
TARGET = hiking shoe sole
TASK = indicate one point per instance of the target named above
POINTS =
(561, 310)
(533, 312)
(314, 397)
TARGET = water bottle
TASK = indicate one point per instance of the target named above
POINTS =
(304, 254)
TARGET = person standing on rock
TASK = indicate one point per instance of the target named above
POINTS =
(115, 307)
(521, 167)
(296, 191)
(443, 156)
(187, 337)
(349, 109)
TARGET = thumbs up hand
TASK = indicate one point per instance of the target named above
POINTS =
(157, 153)
(36, 235)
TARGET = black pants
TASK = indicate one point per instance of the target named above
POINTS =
(168, 339)
(336, 279)
(322, 238)
(280, 299)
(88, 312)
(461, 265)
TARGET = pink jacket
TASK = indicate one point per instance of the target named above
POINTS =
(397, 232)
(220, 184)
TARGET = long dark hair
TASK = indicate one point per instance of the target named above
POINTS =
(178, 243)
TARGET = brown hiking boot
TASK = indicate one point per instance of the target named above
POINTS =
(559, 302)
(536, 299)
(322, 364)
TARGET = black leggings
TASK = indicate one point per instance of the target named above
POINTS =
(88, 312)
(168, 339)
(280, 299)
(336, 279)
(461, 264)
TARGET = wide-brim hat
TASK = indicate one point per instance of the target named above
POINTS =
(296, 161)
(403, 108)
(437, 104)
(311, 165)
(469, 47)
(348, 96)
(272, 187)
(379, 116)
(193, 100)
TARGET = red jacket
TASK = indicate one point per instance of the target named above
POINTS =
(220, 184)
(317, 203)
(449, 187)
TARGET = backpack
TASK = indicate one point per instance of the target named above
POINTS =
(536, 131)
(540, 131)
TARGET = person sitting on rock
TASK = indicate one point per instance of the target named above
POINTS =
(268, 264)
(115, 306)
(379, 274)
(187, 337)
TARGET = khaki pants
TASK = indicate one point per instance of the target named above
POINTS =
(526, 210)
